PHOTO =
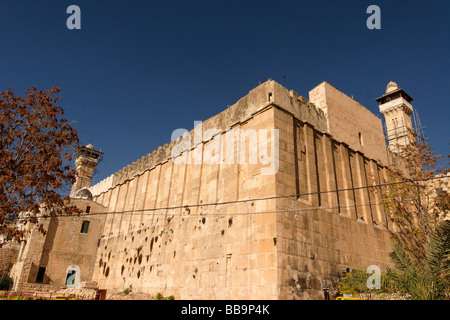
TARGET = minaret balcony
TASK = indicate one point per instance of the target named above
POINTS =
(396, 103)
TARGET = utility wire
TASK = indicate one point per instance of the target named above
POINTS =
(243, 200)
(276, 197)
(351, 205)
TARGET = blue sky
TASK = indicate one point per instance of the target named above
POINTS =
(137, 70)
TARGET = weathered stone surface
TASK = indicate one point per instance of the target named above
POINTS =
(224, 230)
(8, 256)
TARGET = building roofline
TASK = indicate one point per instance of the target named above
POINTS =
(404, 94)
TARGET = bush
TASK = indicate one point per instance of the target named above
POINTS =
(159, 296)
(127, 291)
(5, 282)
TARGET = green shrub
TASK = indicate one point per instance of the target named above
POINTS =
(159, 296)
(5, 282)
(127, 291)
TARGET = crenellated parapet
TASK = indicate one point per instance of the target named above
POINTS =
(102, 186)
(265, 95)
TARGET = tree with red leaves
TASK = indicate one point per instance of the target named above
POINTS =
(35, 159)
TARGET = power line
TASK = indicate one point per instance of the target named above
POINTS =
(243, 200)
(352, 205)
(358, 204)
(276, 197)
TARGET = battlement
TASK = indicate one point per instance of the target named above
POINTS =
(266, 94)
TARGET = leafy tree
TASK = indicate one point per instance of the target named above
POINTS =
(415, 199)
(35, 157)
(355, 283)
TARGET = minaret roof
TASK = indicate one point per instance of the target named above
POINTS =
(392, 88)
(87, 151)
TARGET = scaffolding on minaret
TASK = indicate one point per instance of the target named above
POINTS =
(399, 135)
(402, 123)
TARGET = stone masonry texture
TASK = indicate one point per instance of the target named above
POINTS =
(225, 230)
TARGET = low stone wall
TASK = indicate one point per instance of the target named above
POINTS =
(48, 291)
(116, 295)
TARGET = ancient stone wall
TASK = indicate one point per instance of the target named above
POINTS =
(335, 222)
(61, 246)
(216, 248)
(351, 122)
(8, 256)
(266, 94)
(225, 230)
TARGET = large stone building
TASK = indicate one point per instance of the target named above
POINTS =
(262, 201)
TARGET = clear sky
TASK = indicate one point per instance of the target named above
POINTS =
(137, 70)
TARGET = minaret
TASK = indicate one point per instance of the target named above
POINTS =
(86, 159)
(396, 107)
